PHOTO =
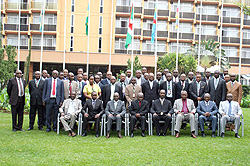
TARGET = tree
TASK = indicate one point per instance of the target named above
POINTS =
(245, 8)
(210, 54)
(186, 63)
(136, 66)
(27, 63)
(8, 66)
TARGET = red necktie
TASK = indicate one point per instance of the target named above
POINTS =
(70, 89)
(54, 88)
(139, 103)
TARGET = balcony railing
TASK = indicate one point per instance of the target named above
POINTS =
(123, 30)
(230, 39)
(15, 6)
(231, 20)
(188, 15)
(233, 59)
(48, 5)
(44, 47)
(208, 17)
(21, 47)
(36, 27)
(246, 41)
(159, 33)
(149, 12)
(207, 37)
(150, 52)
(124, 51)
(126, 9)
(182, 35)
(246, 22)
(14, 27)
(163, 12)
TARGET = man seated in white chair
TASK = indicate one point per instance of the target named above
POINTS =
(69, 110)
(230, 111)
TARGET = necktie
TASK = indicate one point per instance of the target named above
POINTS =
(216, 83)
(185, 107)
(139, 103)
(54, 88)
(94, 102)
(198, 89)
(36, 83)
(182, 85)
(21, 87)
(229, 109)
(161, 102)
(80, 86)
(70, 88)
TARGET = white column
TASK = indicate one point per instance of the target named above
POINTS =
(199, 50)
(221, 22)
(18, 42)
(111, 36)
(64, 40)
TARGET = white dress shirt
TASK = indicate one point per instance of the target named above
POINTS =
(198, 87)
(216, 81)
(169, 90)
(71, 107)
(115, 103)
(138, 81)
(151, 84)
(20, 85)
(112, 89)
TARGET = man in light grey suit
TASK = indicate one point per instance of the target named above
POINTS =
(185, 110)
(70, 86)
(230, 111)
(115, 110)
(207, 110)
(69, 111)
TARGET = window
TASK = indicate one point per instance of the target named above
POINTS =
(72, 24)
(245, 52)
(13, 40)
(137, 3)
(184, 7)
(162, 5)
(231, 12)
(183, 47)
(50, 19)
(148, 46)
(230, 32)
(206, 29)
(13, 19)
(100, 44)
(100, 25)
(246, 33)
(121, 22)
(120, 44)
(101, 6)
(137, 23)
(183, 27)
(150, 4)
(72, 5)
(231, 51)
(147, 24)
(246, 17)
(207, 10)
(122, 2)
(48, 40)
(71, 43)
(161, 25)
(136, 45)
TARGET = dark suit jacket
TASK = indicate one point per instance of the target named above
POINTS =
(106, 92)
(36, 93)
(174, 88)
(82, 98)
(150, 94)
(122, 98)
(179, 89)
(12, 90)
(103, 82)
(211, 108)
(158, 108)
(136, 109)
(218, 94)
(93, 111)
(193, 90)
(59, 91)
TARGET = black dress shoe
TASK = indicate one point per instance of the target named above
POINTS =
(163, 134)
(203, 135)
(84, 134)
(55, 130)
(222, 135)
(132, 135)
(14, 130)
(213, 135)
(159, 134)
(40, 128)
(97, 135)
(22, 130)
(236, 135)
(143, 135)
(30, 128)
(48, 130)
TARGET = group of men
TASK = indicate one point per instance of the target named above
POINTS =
(93, 97)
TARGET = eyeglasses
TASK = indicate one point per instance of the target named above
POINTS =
(18, 73)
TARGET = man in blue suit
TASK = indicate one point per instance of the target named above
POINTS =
(107, 80)
(207, 111)
(53, 95)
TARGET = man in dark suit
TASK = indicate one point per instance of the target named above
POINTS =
(122, 86)
(207, 111)
(53, 96)
(190, 77)
(115, 110)
(79, 71)
(182, 85)
(36, 93)
(165, 72)
(170, 88)
(92, 110)
(16, 92)
(197, 90)
(175, 76)
(225, 72)
(81, 85)
(107, 80)
(138, 110)
(217, 88)
(109, 90)
(139, 79)
(150, 89)
(162, 110)
(207, 76)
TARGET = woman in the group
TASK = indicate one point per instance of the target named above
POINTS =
(91, 87)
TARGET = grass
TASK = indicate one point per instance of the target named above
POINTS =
(40, 148)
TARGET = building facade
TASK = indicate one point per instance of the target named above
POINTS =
(105, 25)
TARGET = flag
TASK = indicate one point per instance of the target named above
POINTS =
(153, 28)
(130, 28)
(87, 21)
(41, 19)
(177, 17)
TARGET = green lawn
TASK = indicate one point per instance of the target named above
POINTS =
(40, 148)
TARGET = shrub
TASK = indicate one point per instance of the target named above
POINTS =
(245, 102)
(245, 90)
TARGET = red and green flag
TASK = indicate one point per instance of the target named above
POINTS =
(130, 28)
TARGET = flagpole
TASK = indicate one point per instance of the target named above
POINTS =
(241, 36)
(42, 19)
(64, 40)
(221, 15)
(111, 35)
(132, 61)
(156, 37)
(87, 67)
(199, 51)
(18, 42)
(178, 30)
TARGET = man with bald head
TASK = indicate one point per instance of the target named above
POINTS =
(150, 89)
(235, 88)
(44, 74)
(230, 111)
(109, 90)
(36, 102)
(144, 71)
(207, 111)
(107, 80)
(16, 91)
(170, 88)
(138, 110)
(139, 79)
